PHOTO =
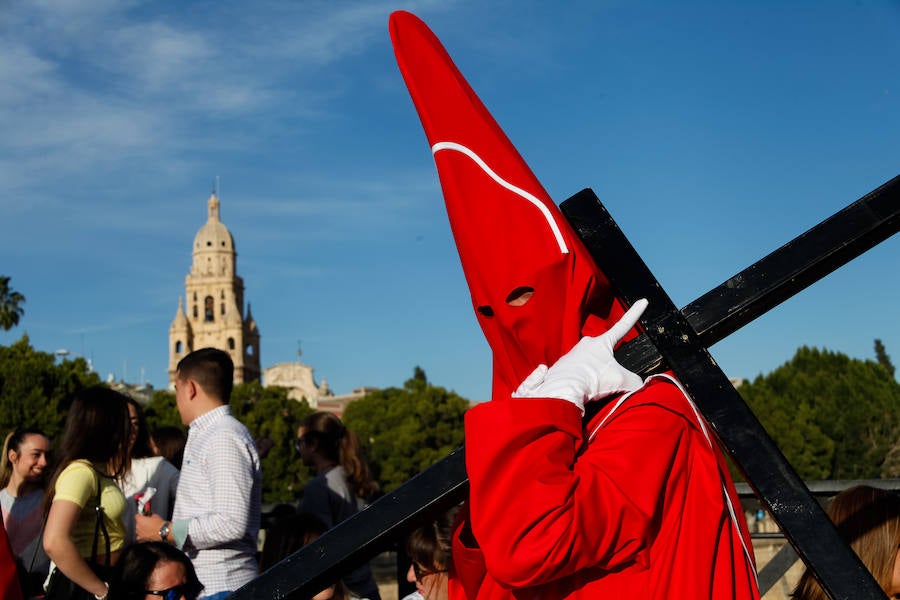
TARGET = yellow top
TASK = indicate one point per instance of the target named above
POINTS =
(78, 483)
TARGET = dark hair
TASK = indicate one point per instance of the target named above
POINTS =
(341, 445)
(288, 531)
(141, 448)
(132, 572)
(170, 443)
(97, 430)
(14, 442)
(429, 545)
(212, 369)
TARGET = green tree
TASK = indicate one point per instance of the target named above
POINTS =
(406, 430)
(882, 357)
(11, 303)
(35, 390)
(162, 411)
(832, 416)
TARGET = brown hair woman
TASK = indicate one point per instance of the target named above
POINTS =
(868, 519)
(342, 485)
(429, 549)
(93, 453)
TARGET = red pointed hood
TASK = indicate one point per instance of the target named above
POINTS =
(509, 233)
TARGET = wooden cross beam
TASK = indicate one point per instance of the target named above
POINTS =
(676, 340)
(801, 518)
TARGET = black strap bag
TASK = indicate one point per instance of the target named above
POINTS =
(61, 587)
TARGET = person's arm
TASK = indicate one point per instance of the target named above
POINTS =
(230, 467)
(540, 510)
(146, 529)
(62, 550)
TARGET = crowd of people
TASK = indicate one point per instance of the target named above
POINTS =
(123, 512)
(70, 528)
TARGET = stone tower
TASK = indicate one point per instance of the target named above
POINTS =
(212, 312)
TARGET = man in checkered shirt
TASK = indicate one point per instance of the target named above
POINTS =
(219, 499)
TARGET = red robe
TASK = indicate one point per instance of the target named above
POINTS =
(639, 510)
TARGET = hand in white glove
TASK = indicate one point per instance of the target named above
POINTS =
(589, 370)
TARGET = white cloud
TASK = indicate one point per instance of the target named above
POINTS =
(98, 92)
(92, 83)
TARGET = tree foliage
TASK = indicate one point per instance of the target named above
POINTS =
(882, 357)
(405, 430)
(11, 303)
(833, 417)
(35, 390)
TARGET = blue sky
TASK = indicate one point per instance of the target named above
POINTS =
(714, 132)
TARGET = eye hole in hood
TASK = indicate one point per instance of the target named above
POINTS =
(520, 296)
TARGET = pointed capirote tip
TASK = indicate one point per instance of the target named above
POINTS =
(401, 14)
(402, 18)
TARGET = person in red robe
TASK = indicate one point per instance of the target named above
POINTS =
(636, 503)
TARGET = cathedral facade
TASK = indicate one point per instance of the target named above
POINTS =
(211, 314)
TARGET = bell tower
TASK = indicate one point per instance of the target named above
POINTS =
(211, 314)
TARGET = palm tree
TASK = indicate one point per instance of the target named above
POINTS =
(10, 305)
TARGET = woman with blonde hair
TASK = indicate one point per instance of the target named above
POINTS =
(26, 452)
(342, 485)
(83, 499)
(868, 519)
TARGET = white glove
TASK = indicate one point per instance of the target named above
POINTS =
(589, 370)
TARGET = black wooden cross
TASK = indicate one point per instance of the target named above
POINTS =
(675, 340)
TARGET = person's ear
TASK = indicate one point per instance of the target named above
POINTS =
(192, 388)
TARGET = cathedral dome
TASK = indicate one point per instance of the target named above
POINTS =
(213, 236)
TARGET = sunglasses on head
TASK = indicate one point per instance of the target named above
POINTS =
(172, 593)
